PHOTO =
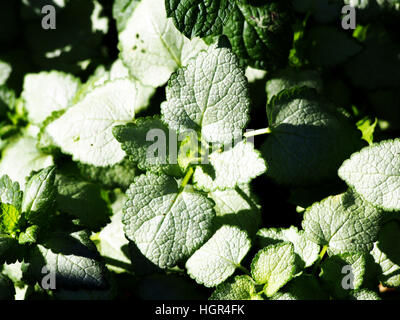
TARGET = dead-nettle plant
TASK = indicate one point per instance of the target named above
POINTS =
(143, 176)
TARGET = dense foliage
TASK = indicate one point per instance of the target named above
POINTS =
(128, 168)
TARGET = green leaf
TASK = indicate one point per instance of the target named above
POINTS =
(365, 294)
(367, 128)
(72, 258)
(237, 288)
(259, 34)
(254, 75)
(322, 10)
(344, 273)
(290, 78)
(306, 251)
(383, 49)
(237, 207)
(166, 223)
(9, 219)
(82, 200)
(39, 197)
(199, 18)
(309, 139)
(304, 287)
(117, 71)
(122, 10)
(44, 141)
(118, 175)
(146, 141)
(329, 46)
(5, 70)
(29, 236)
(10, 192)
(386, 253)
(237, 165)
(21, 157)
(111, 239)
(219, 257)
(343, 222)
(151, 47)
(10, 251)
(374, 174)
(274, 266)
(85, 129)
(7, 290)
(209, 96)
(7, 101)
(46, 92)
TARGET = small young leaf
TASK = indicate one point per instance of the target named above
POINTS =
(231, 167)
(274, 266)
(9, 218)
(146, 141)
(306, 251)
(29, 236)
(367, 128)
(39, 197)
(10, 192)
(218, 258)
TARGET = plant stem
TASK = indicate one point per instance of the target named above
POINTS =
(243, 269)
(257, 132)
(321, 256)
(323, 251)
(187, 178)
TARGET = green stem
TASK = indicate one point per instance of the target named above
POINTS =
(321, 256)
(187, 177)
(323, 252)
(257, 132)
(243, 269)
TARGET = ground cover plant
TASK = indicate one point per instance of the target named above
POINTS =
(176, 149)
